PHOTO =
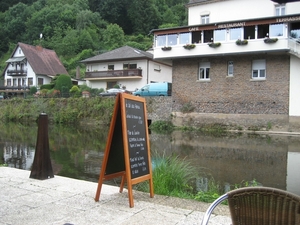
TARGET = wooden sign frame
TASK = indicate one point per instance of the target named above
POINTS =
(127, 151)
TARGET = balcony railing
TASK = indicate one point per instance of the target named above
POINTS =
(229, 47)
(17, 72)
(114, 73)
(14, 88)
(294, 45)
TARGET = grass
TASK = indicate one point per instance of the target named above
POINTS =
(171, 176)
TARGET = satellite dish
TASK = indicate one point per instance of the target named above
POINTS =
(41, 35)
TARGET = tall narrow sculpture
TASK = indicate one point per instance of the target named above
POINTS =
(41, 167)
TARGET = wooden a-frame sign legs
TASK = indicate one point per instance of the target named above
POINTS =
(127, 151)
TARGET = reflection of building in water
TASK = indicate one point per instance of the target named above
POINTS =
(234, 159)
(18, 155)
(293, 169)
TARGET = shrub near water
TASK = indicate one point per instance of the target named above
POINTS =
(171, 177)
(161, 126)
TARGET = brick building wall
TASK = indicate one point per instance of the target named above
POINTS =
(233, 95)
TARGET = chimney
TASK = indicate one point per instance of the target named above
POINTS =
(39, 48)
(77, 72)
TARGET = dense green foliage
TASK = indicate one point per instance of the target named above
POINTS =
(78, 29)
(161, 126)
(59, 110)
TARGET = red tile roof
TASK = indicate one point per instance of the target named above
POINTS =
(43, 61)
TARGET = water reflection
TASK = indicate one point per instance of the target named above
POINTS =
(77, 152)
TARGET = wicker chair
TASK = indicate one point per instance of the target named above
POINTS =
(259, 206)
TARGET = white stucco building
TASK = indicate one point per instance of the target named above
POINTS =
(127, 67)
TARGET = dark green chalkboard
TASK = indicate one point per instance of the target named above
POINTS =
(136, 136)
(116, 160)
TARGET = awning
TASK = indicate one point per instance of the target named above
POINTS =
(16, 59)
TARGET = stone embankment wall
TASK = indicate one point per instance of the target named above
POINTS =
(161, 108)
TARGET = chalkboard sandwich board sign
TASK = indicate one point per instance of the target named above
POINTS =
(127, 151)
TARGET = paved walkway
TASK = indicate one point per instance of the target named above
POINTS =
(66, 201)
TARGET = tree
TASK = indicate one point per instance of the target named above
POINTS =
(143, 15)
(15, 19)
(63, 83)
(115, 11)
(113, 36)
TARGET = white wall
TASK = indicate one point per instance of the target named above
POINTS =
(231, 10)
(294, 86)
(148, 74)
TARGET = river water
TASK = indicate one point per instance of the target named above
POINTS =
(270, 160)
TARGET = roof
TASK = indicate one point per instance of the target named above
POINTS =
(43, 61)
(118, 54)
(15, 59)
(197, 2)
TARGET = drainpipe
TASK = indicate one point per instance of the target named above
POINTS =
(147, 71)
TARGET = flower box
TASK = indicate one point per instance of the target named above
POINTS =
(241, 42)
(214, 44)
(166, 48)
(189, 46)
(270, 40)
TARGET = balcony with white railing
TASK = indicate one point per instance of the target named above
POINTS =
(17, 72)
(114, 74)
(294, 46)
(270, 34)
(222, 48)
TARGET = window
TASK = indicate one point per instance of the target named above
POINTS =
(276, 30)
(40, 81)
(249, 32)
(161, 40)
(129, 66)
(236, 33)
(280, 10)
(196, 37)
(110, 67)
(14, 82)
(111, 84)
(184, 38)
(8, 82)
(204, 71)
(262, 31)
(295, 30)
(204, 19)
(30, 81)
(219, 35)
(208, 36)
(172, 39)
(230, 68)
(259, 69)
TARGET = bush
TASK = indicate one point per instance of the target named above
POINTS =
(171, 176)
(47, 86)
(33, 90)
(161, 126)
(75, 91)
(63, 83)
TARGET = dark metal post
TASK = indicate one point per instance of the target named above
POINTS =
(41, 167)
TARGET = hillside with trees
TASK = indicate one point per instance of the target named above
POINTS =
(78, 29)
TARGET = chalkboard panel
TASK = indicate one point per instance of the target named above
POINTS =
(116, 160)
(137, 140)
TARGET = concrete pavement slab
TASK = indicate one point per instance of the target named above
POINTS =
(66, 201)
